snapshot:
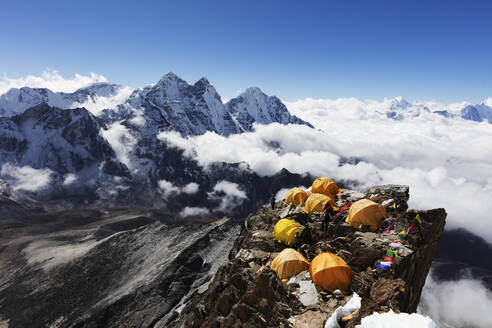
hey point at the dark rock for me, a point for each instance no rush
(399, 193)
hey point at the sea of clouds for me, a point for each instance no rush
(446, 162)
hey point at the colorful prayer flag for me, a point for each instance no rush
(391, 253)
(388, 259)
(395, 244)
(402, 234)
(417, 218)
(383, 267)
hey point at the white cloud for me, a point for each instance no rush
(446, 162)
(69, 179)
(229, 194)
(190, 188)
(169, 189)
(138, 119)
(97, 104)
(26, 178)
(122, 142)
(230, 188)
(52, 80)
(193, 211)
(463, 303)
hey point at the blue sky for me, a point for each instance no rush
(420, 50)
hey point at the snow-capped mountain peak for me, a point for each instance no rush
(399, 103)
(254, 106)
(203, 82)
(193, 109)
(15, 101)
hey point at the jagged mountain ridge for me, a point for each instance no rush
(173, 104)
(116, 155)
(83, 170)
(15, 101)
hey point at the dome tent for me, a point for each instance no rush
(366, 212)
(289, 262)
(285, 230)
(295, 196)
(326, 187)
(318, 202)
(330, 272)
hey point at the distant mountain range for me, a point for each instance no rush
(114, 155)
(170, 104)
(100, 143)
(15, 101)
(400, 109)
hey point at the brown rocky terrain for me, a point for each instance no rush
(247, 293)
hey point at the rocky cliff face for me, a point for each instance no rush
(49, 137)
(111, 268)
(247, 293)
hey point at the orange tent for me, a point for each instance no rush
(326, 187)
(330, 272)
(366, 212)
(295, 196)
(318, 202)
(288, 263)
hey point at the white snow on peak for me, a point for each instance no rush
(94, 98)
(399, 103)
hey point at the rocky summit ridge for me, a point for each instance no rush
(247, 293)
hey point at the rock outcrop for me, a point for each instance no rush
(247, 293)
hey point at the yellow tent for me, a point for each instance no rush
(288, 263)
(295, 196)
(366, 212)
(326, 187)
(285, 231)
(318, 202)
(330, 272)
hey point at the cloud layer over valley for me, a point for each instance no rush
(446, 161)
